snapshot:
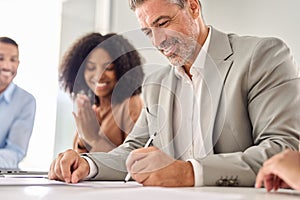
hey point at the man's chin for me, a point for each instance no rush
(6, 79)
(176, 62)
(4, 83)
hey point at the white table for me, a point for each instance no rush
(107, 191)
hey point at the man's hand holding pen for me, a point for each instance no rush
(152, 167)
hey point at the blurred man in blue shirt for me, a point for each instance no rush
(17, 108)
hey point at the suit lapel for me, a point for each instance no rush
(165, 112)
(217, 66)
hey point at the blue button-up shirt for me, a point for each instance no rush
(17, 113)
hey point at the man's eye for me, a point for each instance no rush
(164, 23)
(147, 32)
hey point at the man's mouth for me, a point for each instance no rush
(169, 51)
(7, 73)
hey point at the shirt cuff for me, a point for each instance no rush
(93, 168)
(198, 172)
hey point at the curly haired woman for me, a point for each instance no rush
(108, 68)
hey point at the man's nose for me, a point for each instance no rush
(6, 64)
(158, 36)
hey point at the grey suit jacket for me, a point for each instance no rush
(250, 110)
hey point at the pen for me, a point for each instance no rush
(148, 143)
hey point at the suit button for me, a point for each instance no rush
(233, 181)
(225, 182)
(222, 182)
(219, 182)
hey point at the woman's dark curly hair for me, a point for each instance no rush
(124, 57)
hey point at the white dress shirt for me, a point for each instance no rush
(188, 141)
(188, 138)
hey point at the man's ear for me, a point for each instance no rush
(194, 8)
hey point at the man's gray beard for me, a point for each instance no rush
(181, 60)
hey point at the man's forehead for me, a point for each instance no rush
(148, 13)
(9, 48)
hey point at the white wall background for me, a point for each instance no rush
(276, 18)
(35, 25)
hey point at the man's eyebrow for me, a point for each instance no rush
(144, 29)
(155, 22)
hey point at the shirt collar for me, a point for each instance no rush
(200, 59)
(8, 92)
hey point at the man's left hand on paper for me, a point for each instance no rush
(69, 167)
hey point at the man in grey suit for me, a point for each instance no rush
(248, 92)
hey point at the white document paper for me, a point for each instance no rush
(108, 184)
(28, 181)
(33, 181)
(24, 176)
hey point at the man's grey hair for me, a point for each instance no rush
(133, 4)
